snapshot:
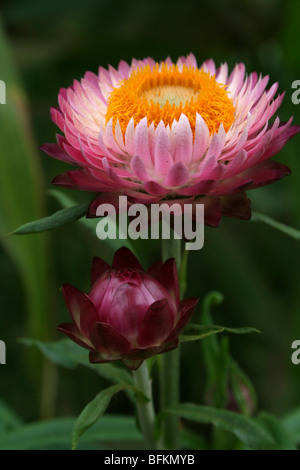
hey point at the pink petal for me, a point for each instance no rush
(184, 141)
(209, 66)
(107, 340)
(236, 165)
(124, 258)
(168, 277)
(154, 188)
(155, 268)
(88, 315)
(156, 324)
(266, 173)
(96, 357)
(202, 187)
(191, 61)
(109, 138)
(212, 210)
(141, 142)
(236, 205)
(73, 298)
(104, 150)
(63, 181)
(222, 73)
(124, 68)
(187, 308)
(217, 143)
(74, 334)
(98, 268)
(201, 138)
(105, 198)
(163, 158)
(178, 175)
(53, 150)
(129, 137)
(57, 118)
(138, 167)
(207, 166)
(236, 79)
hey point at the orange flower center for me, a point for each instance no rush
(165, 92)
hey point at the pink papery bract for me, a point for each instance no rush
(151, 163)
(129, 314)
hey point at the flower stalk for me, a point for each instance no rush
(145, 411)
(170, 365)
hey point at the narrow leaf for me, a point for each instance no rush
(194, 332)
(55, 434)
(90, 224)
(190, 336)
(93, 411)
(58, 219)
(277, 430)
(290, 231)
(247, 430)
(244, 330)
(68, 354)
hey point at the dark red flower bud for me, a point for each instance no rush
(129, 314)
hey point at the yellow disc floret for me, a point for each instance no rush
(164, 92)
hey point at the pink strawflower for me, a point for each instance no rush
(129, 314)
(171, 132)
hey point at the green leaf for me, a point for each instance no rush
(90, 224)
(247, 430)
(64, 352)
(55, 434)
(277, 430)
(291, 422)
(8, 418)
(68, 354)
(195, 332)
(64, 199)
(192, 441)
(244, 330)
(290, 231)
(58, 219)
(93, 411)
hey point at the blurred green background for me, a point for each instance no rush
(44, 46)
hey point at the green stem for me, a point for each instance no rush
(170, 366)
(145, 411)
(172, 249)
